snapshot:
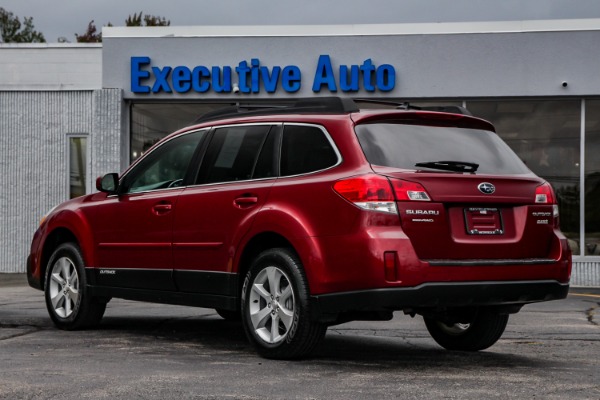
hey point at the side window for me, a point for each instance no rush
(305, 149)
(165, 166)
(232, 153)
(266, 166)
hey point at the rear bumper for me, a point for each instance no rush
(436, 295)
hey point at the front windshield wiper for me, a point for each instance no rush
(456, 166)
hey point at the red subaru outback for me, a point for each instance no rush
(298, 218)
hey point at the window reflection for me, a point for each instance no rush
(165, 167)
(592, 178)
(545, 134)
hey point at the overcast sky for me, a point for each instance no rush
(66, 17)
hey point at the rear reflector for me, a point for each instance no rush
(389, 263)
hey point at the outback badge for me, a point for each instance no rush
(486, 188)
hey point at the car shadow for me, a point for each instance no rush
(348, 351)
(396, 353)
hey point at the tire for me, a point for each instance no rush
(276, 307)
(66, 293)
(228, 315)
(482, 332)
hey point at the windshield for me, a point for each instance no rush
(404, 146)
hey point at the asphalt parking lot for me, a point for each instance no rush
(149, 351)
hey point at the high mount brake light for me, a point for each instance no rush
(378, 193)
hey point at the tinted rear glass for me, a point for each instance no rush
(305, 149)
(402, 146)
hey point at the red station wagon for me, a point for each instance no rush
(296, 218)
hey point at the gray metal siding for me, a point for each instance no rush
(107, 131)
(33, 157)
(50, 66)
(586, 273)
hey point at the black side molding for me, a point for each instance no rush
(166, 297)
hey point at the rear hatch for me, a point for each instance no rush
(476, 200)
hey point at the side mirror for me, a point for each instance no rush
(108, 183)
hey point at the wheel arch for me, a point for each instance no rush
(305, 248)
(256, 245)
(66, 227)
(57, 237)
(282, 226)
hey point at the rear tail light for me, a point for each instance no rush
(409, 191)
(369, 192)
(378, 193)
(544, 194)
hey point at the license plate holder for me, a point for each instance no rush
(483, 221)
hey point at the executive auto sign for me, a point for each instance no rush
(253, 77)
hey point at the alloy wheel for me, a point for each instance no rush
(272, 305)
(64, 287)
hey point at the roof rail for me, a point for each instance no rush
(446, 109)
(322, 105)
(407, 106)
(333, 105)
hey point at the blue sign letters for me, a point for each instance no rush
(253, 77)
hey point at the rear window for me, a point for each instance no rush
(402, 146)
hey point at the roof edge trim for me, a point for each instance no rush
(442, 28)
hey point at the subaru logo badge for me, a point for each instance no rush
(486, 188)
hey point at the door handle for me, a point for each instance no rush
(246, 201)
(162, 208)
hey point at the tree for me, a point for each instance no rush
(90, 35)
(149, 20)
(141, 19)
(12, 31)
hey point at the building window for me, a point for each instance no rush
(152, 122)
(592, 178)
(546, 135)
(77, 166)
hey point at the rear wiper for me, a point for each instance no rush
(456, 166)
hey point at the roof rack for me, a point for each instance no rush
(407, 106)
(333, 105)
(322, 105)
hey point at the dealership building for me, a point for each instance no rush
(72, 112)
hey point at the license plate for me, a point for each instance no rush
(483, 221)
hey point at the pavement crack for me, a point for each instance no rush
(27, 329)
(591, 313)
